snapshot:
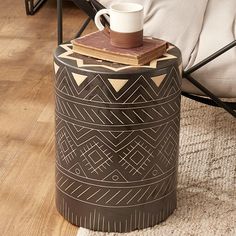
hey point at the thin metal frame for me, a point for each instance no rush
(94, 7)
(214, 100)
(60, 23)
(31, 7)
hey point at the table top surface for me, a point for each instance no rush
(65, 55)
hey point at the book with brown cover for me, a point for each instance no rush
(97, 45)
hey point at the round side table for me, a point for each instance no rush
(117, 140)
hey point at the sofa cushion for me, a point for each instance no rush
(198, 28)
(218, 29)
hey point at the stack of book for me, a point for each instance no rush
(97, 45)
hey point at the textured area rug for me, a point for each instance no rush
(207, 177)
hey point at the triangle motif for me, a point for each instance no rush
(158, 79)
(115, 176)
(167, 56)
(170, 47)
(77, 170)
(140, 99)
(79, 79)
(173, 90)
(118, 84)
(116, 134)
(155, 129)
(97, 98)
(56, 67)
(155, 171)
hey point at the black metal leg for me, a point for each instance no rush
(211, 57)
(59, 22)
(31, 8)
(83, 27)
(207, 101)
(90, 7)
(27, 7)
(229, 107)
(219, 102)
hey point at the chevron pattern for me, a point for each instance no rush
(116, 140)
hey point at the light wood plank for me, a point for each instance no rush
(27, 153)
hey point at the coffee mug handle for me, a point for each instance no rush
(97, 20)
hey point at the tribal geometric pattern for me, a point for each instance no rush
(117, 137)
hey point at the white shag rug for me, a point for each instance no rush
(207, 177)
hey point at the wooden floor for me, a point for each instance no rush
(27, 118)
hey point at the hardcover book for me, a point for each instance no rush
(97, 45)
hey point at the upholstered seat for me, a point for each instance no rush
(198, 28)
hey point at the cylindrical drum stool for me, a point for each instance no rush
(117, 140)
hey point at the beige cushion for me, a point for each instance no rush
(219, 29)
(198, 28)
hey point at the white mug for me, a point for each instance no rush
(126, 24)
